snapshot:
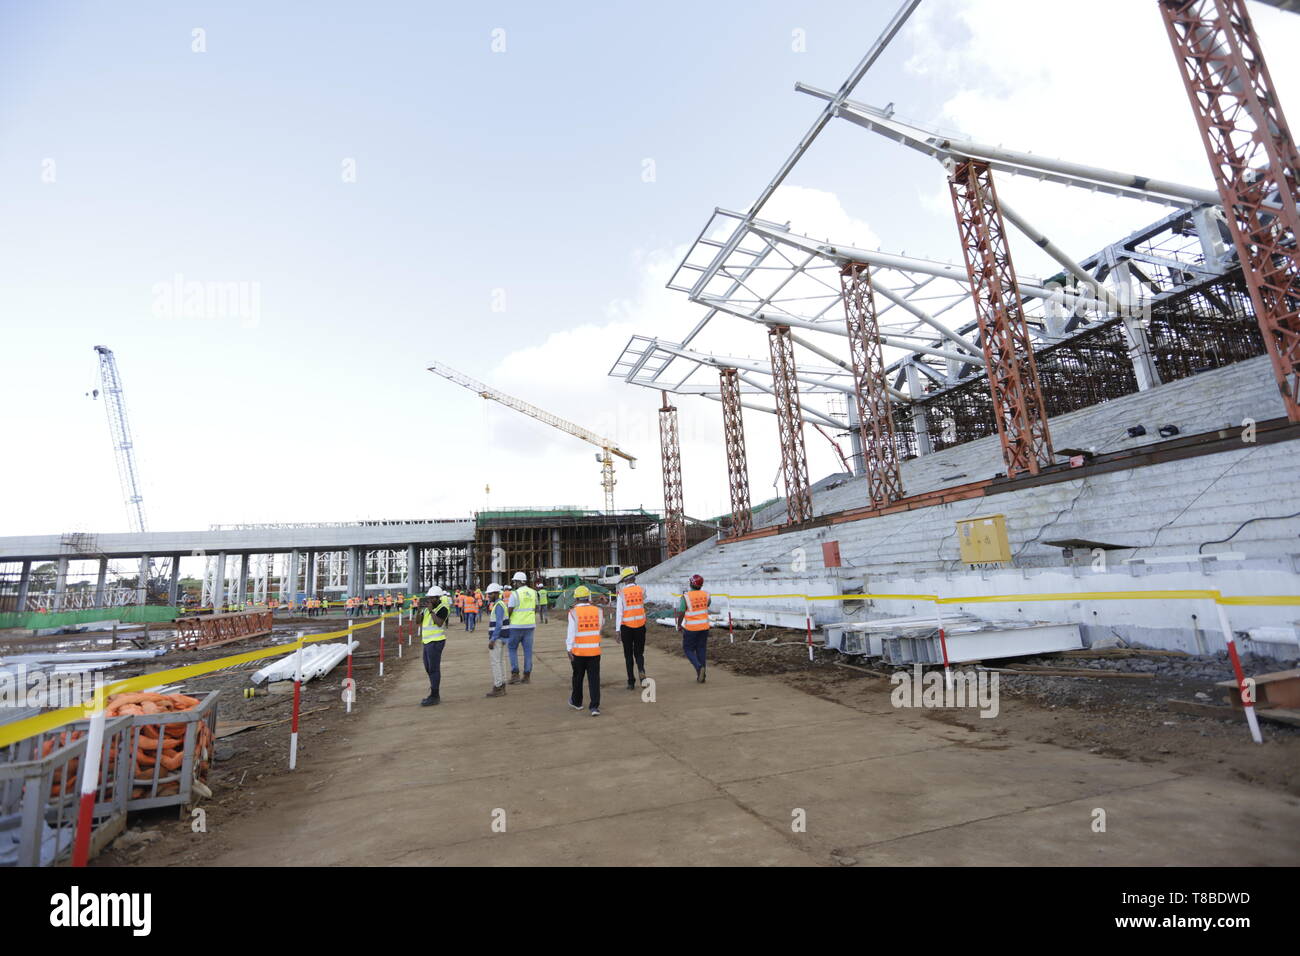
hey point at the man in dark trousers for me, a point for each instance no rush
(693, 624)
(433, 635)
(583, 645)
(629, 625)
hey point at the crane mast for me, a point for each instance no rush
(608, 448)
(120, 429)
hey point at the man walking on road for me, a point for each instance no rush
(693, 622)
(433, 635)
(523, 619)
(543, 601)
(583, 644)
(629, 625)
(497, 615)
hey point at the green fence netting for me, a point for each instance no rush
(126, 615)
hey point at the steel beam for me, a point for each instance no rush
(1255, 165)
(1018, 408)
(794, 458)
(875, 411)
(670, 451)
(733, 428)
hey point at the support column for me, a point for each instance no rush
(920, 425)
(412, 569)
(309, 582)
(875, 410)
(60, 584)
(174, 585)
(356, 573)
(498, 559)
(1255, 164)
(241, 587)
(733, 430)
(289, 593)
(219, 584)
(555, 547)
(613, 545)
(1136, 332)
(670, 452)
(789, 418)
(142, 582)
(1018, 408)
(24, 585)
(101, 582)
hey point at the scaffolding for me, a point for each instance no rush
(532, 541)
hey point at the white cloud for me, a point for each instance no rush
(1102, 89)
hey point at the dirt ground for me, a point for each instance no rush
(1126, 718)
(161, 837)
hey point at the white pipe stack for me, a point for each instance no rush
(317, 660)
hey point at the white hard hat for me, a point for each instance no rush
(493, 588)
(520, 576)
(436, 591)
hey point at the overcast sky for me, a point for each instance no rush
(389, 183)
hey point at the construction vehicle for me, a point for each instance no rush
(608, 575)
(607, 447)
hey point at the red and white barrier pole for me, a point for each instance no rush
(382, 622)
(351, 683)
(730, 630)
(297, 706)
(943, 646)
(1247, 697)
(89, 781)
(807, 616)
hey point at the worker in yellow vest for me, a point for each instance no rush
(693, 623)
(523, 619)
(433, 635)
(543, 601)
(583, 644)
(629, 624)
(325, 606)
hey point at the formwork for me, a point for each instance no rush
(1198, 329)
(531, 540)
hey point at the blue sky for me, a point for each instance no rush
(478, 173)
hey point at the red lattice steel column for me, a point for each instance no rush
(1255, 165)
(1008, 350)
(671, 452)
(875, 410)
(733, 428)
(789, 418)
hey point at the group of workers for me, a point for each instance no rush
(513, 616)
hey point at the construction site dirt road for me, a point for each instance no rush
(744, 770)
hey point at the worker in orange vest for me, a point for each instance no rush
(629, 625)
(693, 623)
(471, 611)
(583, 644)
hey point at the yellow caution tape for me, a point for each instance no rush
(31, 726)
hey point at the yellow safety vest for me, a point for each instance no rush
(525, 615)
(430, 631)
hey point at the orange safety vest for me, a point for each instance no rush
(696, 617)
(586, 642)
(634, 606)
(471, 604)
(370, 602)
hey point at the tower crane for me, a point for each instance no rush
(608, 448)
(110, 385)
